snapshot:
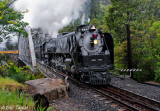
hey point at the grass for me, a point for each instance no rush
(11, 99)
(14, 100)
(10, 84)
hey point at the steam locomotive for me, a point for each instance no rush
(86, 53)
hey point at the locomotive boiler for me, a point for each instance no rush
(86, 53)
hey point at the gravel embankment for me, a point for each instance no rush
(82, 99)
(128, 84)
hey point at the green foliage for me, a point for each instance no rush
(40, 108)
(155, 29)
(71, 27)
(98, 10)
(5, 57)
(121, 13)
(143, 18)
(10, 20)
(155, 48)
(30, 77)
(145, 50)
(38, 74)
(94, 22)
(51, 108)
(95, 8)
(3, 71)
(120, 55)
(157, 76)
(23, 74)
(157, 73)
(154, 7)
(16, 73)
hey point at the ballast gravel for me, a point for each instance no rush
(149, 91)
(83, 99)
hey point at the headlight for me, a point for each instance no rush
(95, 42)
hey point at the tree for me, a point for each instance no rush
(94, 22)
(95, 8)
(98, 10)
(10, 20)
(71, 27)
(121, 16)
(155, 8)
(4, 7)
(10, 45)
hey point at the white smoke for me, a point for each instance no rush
(51, 14)
(83, 19)
(86, 14)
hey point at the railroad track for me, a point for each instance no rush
(131, 100)
(128, 100)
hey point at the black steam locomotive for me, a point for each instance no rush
(87, 53)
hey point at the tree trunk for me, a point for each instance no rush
(95, 15)
(129, 52)
(129, 48)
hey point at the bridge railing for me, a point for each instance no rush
(9, 52)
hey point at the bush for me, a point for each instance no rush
(5, 57)
(2, 71)
(21, 74)
(30, 77)
(157, 73)
(16, 73)
(38, 74)
(157, 77)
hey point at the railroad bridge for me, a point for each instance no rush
(26, 53)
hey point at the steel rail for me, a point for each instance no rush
(135, 99)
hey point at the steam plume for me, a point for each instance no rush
(52, 14)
